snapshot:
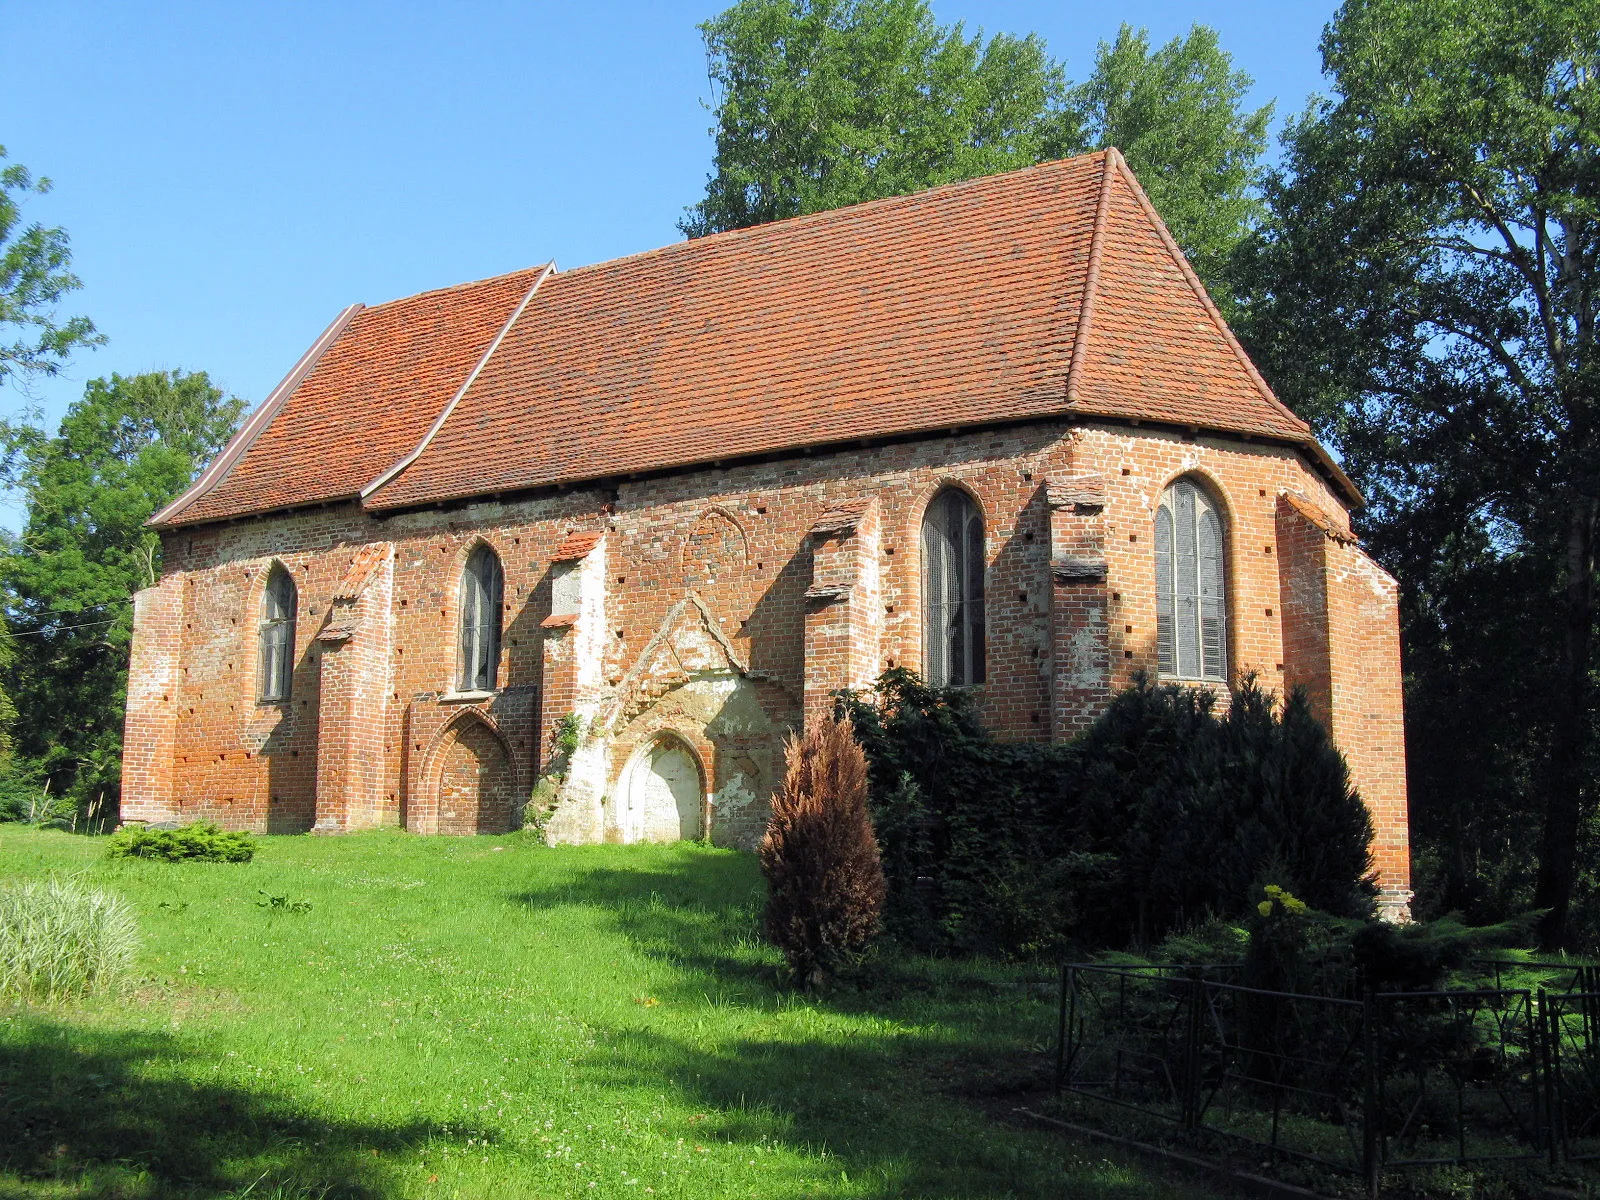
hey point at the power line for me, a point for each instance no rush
(70, 612)
(64, 628)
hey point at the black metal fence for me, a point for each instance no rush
(1390, 1080)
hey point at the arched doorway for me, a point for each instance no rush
(664, 794)
(475, 784)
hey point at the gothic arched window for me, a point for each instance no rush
(1191, 586)
(952, 590)
(277, 635)
(482, 584)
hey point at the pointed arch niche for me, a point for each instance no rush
(663, 792)
(716, 566)
(468, 780)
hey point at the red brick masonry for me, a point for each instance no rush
(809, 580)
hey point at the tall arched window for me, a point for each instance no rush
(482, 584)
(952, 590)
(277, 635)
(1191, 587)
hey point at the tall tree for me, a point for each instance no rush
(122, 452)
(35, 273)
(822, 103)
(1177, 114)
(1428, 292)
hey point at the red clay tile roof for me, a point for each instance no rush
(576, 545)
(364, 565)
(1319, 519)
(1150, 343)
(1050, 291)
(367, 401)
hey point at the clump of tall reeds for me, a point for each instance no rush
(60, 940)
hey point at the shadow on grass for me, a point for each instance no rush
(872, 1106)
(896, 1075)
(703, 915)
(98, 1112)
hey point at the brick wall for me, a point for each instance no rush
(704, 629)
(150, 725)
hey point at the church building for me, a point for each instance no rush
(605, 536)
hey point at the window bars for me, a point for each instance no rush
(1191, 589)
(277, 636)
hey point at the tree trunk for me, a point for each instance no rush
(1558, 853)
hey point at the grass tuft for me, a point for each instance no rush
(59, 940)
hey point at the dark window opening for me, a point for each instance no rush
(277, 636)
(482, 589)
(952, 591)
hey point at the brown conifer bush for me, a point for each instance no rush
(824, 880)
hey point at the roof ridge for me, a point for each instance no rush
(450, 405)
(827, 214)
(259, 420)
(1091, 279)
(1176, 253)
(456, 287)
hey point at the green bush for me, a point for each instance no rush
(200, 842)
(1204, 809)
(1162, 815)
(59, 940)
(983, 848)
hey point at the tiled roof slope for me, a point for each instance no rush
(1053, 290)
(368, 400)
(1153, 346)
(949, 307)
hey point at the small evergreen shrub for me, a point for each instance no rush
(1164, 814)
(820, 858)
(200, 842)
(1203, 809)
(59, 940)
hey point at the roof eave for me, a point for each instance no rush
(1321, 460)
(256, 423)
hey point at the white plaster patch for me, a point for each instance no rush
(738, 793)
(579, 816)
(1083, 667)
(697, 651)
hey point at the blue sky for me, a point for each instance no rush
(232, 174)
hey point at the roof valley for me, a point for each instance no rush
(399, 467)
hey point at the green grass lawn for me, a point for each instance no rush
(484, 1017)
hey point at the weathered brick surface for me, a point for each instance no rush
(356, 649)
(154, 673)
(697, 624)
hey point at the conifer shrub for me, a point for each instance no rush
(199, 842)
(1203, 809)
(1164, 814)
(824, 879)
(983, 847)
